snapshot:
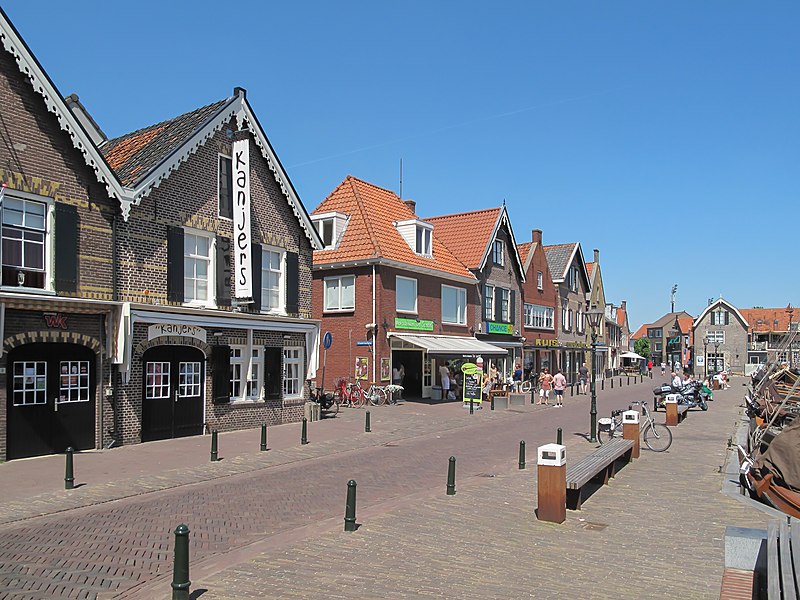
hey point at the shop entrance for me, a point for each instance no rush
(412, 363)
(172, 398)
(50, 399)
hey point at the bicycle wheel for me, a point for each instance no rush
(657, 436)
(526, 386)
(376, 396)
(608, 429)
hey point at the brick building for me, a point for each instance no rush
(539, 308)
(720, 337)
(390, 292)
(57, 307)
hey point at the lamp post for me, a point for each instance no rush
(594, 315)
(705, 353)
(789, 311)
(716, 356)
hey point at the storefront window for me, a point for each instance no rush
(293, 368)
(74, 381)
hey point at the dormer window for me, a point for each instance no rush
(417, 234)
(330, 226)
(423, 241)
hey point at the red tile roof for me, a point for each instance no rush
(768, 316)
(467, 234)
(589, 267)
(621, 316)
(641, 332)
(523, 250)
(371, 233)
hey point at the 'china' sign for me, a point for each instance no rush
(242, 246)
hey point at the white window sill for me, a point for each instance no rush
(454, 324)
(407, 312)
(339, 310)
(21, 289)
(273, 311)
(196, 304)
(246, 401)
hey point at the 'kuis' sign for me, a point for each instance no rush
(242, 244)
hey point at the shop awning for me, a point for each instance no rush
(450, 344)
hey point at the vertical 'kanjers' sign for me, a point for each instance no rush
(241, 220)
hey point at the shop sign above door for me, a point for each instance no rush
(166, 329)
(504, 328)
(415, 324)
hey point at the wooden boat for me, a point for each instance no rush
(782, 498)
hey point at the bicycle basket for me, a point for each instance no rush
(604, 424)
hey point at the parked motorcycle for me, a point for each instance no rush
(690, 394)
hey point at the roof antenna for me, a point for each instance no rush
(672, 296)
(401, 179)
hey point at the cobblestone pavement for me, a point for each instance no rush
(285, 507)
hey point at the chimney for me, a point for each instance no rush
(536, 236)
(596, 256)
(411, 205)
(623, 305)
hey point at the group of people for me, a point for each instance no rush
(547, 382)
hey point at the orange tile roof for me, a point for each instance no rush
(589, 267)
(641, 332)
(523, 250)
(768, 316)
(371, 234)
(467, 234)
(620, 316)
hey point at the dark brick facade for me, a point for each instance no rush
(538, 352)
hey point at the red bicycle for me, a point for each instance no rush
(350, 393)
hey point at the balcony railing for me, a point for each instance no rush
(756, 346)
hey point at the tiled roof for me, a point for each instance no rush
(467, 234)
(621, 316)
(763, 319)
(371, 234)
(685, 323)
(134, 155)
(523, 250)
(641, 332)
(558, 256)
(589, 268)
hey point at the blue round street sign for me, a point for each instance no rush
(327, 340)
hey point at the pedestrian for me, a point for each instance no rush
(583, 375)
(545, 384)
(649, 367)
(559, 385)
(663, 368)
(493, 375)
(518, 378)
(444, 373)
(677, 383)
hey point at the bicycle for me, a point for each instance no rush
(528, 385)
(375, 395)
(349, 393)
(656, 436)
(391, 389)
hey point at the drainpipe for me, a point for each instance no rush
(111, 375)
(375, 330)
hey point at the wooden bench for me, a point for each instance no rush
(600, 464)
(783, 559)
(677, 417)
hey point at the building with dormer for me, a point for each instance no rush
(390, 292)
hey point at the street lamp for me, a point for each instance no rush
(716, 356)
(705, 353)
(594, 316)
(789, 311)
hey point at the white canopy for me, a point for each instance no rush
(632, 355)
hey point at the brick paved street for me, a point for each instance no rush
(269, 522)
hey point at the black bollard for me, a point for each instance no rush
(602, 384)
(612, 383)
(263, 437)
(491, 402)
(69, 475)
(366, 423)
(471, 407)
(620, 382)
(350, 508)
(304, 432)
(559, 436)
(641, 378)
(180, 569)
(214, 453)
(521, 454)
(451, 476)
(572, 389)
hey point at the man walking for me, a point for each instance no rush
(583, 374)
(559, 385)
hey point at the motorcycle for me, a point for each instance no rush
(690, 394)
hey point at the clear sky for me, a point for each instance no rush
(666, 134)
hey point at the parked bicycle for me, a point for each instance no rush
(529, 384)
(375, 395)
(328, 401)
(656, 436)
(350, 393)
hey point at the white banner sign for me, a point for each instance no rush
(165, 329)
(242, 246)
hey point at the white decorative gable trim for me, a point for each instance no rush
(513, 249)
(41, 83)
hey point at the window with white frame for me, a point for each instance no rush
(454, 305)
(657, 347)
(30, 383)
(197, 253)
(720, 317)
(74, 381)
(423, 245)
(325, 230)
(293, 372)
(157, 384)
(540, 317)
(340, 293)
(569, 319)
(245, 373)
(716, 337)
(539, 281)
(579, 320)
(272, 279)
(405, 294)
(564, 323)
(573, 279)
(188, 379)
(497, 253)
(24, 246)
(488, 302)
(505, 303)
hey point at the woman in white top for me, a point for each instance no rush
(444, 372)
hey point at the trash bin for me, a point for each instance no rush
(436, 392)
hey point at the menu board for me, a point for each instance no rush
(473, 383)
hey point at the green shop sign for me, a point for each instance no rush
(504, 328)
(414, 324)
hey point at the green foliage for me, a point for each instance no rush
(642, 347)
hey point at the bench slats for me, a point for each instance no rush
(579, 473)
(773, 574)
(787, 573)
(794, 525)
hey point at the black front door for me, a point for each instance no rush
(51, 399)
(172, 400)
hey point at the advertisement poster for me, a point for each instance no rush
(385, 371)
(473, 383)
(362, 367)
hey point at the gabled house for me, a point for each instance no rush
(606, 359)
(720, 337)
(539, 307)
(484, 241)
(669, 343)
(58, 310)
(772, 337)
(215, 255)
(390, 292)
(626, 339)
(572, 281)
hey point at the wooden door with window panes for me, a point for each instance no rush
(51, 399)
(172, 402)
(428, 369)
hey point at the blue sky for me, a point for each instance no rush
(666, 134)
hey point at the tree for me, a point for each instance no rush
(642, 347)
